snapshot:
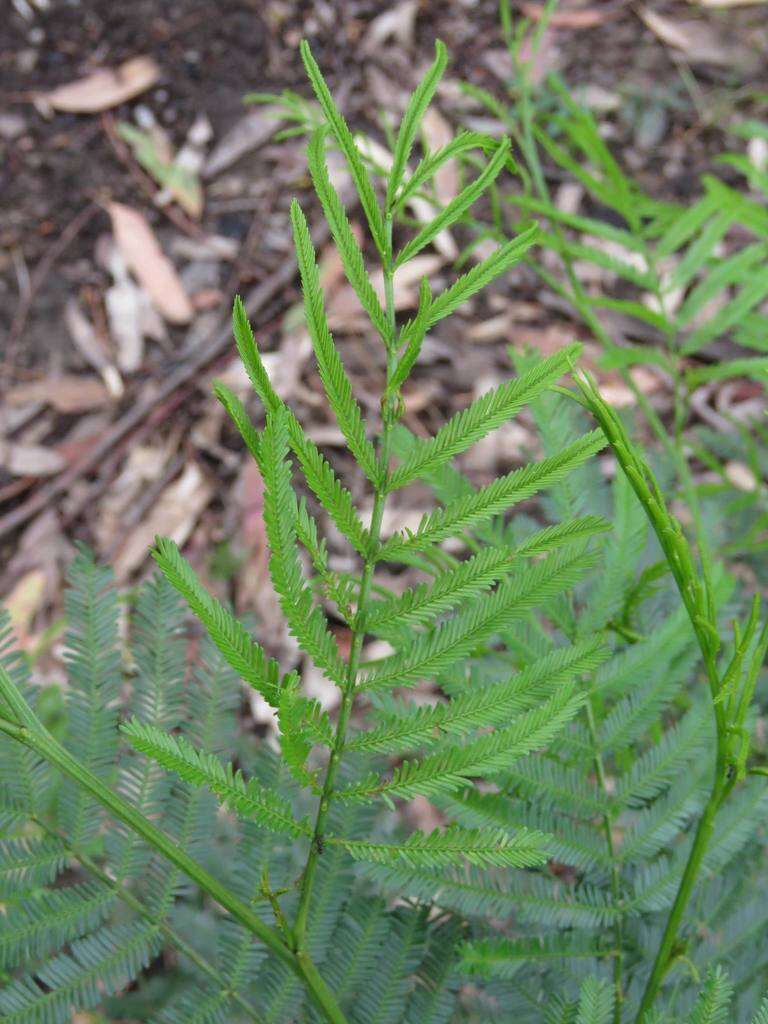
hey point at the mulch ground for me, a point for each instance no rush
(110, 449)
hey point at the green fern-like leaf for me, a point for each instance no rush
(457, 637)
(320, 477)
(105, 960)
(230, 636)
(496, 497)
(502, 957)
(50, 919)
(417, 105)
(332, 373)
(595, 1003)
(349, 149)
(406, 727)
(203, 769)
(457, 207)
(449, 768)
(712, 1005)
(92, 656)
(455, 845)
(484, 415)
(349, 250)
(306, 621)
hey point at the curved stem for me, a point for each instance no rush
(693, 865)
(37, 738)
(170, 934)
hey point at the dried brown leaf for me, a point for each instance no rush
(583, 17)
(698, 41)
(91, 347)
(68, 393)
(24, 601)
(247, 134)
(145, 259)
(104, 88)
(30, 459)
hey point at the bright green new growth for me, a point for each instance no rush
(333, 765)
(540, 689)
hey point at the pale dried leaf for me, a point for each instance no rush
(425, 212)
(104, 88)
(583, 17)
(438, 133)
(757, 151)
(143, 466)
(741, 476)
(407, 278)
(91, 347)
(250, 132)
(24, 601)
(30, 459)
(726, 3)
(68, 393)
(483, 331)
(396, 23)
(146, 260)
(173, 515)
(698, 41)
(132, 317)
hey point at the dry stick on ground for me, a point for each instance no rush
(40, 273)
(135, 415)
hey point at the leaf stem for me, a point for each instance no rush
(34, 736)
(693, 865)
(358, 622)
(140, 908)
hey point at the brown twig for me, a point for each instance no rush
(40, 273)
(220, 340)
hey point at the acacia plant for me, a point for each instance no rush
(334, 769)
(564, 742)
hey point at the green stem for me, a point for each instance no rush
(722, 785)
(693, 865)
(140, 908)
(357, 629)
(33, 735)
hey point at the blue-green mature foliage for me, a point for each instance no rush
(555, 682)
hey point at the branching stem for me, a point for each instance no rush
(358, 624)
(142, 910)
(34, 736)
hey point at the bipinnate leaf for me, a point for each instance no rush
(306, 620)
(347, 244)
(417, 105)
(457, 206)
(332, 373)
(246, 798)
(231, 637)
(455, 845)
(349, 149)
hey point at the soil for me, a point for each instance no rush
(668, 124)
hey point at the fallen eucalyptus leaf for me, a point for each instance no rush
(145, 259)
(104, 88)
(30, 459)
